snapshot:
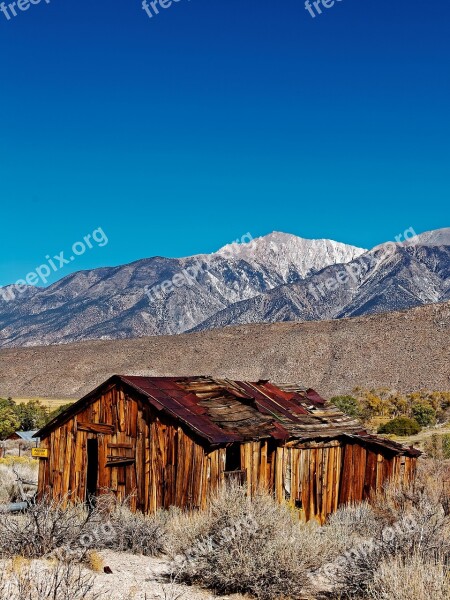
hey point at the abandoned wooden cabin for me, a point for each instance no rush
(166, 441)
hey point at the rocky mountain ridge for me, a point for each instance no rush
(279, 277)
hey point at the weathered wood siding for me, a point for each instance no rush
(318, 477)
(149, 459)
(159, 465)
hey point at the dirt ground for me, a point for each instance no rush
(141, 577)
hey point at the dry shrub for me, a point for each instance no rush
(95, 561)
(249, 546)
(135, 532)
(224, 550)
(409, 521)
(18, 447)
(46, 527)
(11, 469)
(259, 547)
(411, 578)
(353, 522)
(71, 530)
(25, 580)
(183, 528)
(431, 486)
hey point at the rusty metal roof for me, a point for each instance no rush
(222, 411)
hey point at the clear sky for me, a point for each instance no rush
(180, 133)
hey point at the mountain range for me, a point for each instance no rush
(279, 277)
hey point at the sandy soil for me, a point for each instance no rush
(141, 578)
(133, 578)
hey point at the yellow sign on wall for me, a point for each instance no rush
(39, 452)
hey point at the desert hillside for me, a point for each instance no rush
(407, 350)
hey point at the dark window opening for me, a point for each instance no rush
(233, 458)
(92, 471)
(233, 470)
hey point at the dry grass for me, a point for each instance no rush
(95, 561)
(411, 578)
(50, 403)
(421, 439)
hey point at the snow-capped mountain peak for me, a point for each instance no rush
(289, 254)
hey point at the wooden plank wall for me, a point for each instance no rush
(148, 459)
(310, 478)
(318, 478)
(161, 465)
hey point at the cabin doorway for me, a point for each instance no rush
(92, 471)
(233, 471)
(233, 458)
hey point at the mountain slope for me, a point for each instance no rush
(276, 278)
(406, 350)
(113, 302)
(385, 279)
(291, 257)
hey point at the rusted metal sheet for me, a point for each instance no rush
(380, 442)
(183, 406)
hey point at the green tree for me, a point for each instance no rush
(58, 411)
(32, 415)
(347, 404)
(7, 403)
(424, 413)
(9, 421)
(401, 426)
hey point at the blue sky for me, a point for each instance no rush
(180, 133)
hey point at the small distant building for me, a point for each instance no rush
(25, 436)
(164, 441)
